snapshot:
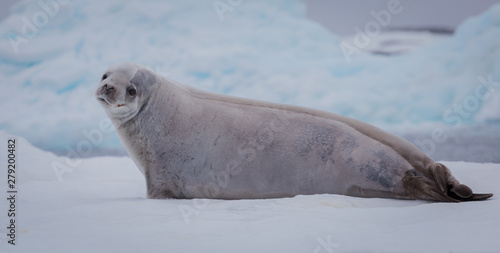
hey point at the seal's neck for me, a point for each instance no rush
(123, 118)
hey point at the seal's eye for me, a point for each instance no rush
(104, 77)
(132, 92)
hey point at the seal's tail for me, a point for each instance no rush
(438, 184)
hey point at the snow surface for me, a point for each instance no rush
(100, 206)
(267, 50)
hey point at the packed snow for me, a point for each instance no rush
(53, 53)
(100, 205)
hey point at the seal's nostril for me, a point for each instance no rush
(107, 88)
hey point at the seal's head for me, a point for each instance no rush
(124, 89)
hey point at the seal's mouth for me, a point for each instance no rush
(102, 100)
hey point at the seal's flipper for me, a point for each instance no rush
(482, 196)
(461, 190)
(438, 184)
(454, 189)
(421, 187)
(474, 197)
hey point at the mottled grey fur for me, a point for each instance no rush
(194, 144)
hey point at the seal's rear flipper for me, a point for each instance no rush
(438, 184)
(478, 196)
(454, 189)
(464, 193)
(474, 197)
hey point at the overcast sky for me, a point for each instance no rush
(341, 16)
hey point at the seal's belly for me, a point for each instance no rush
(278, 154)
